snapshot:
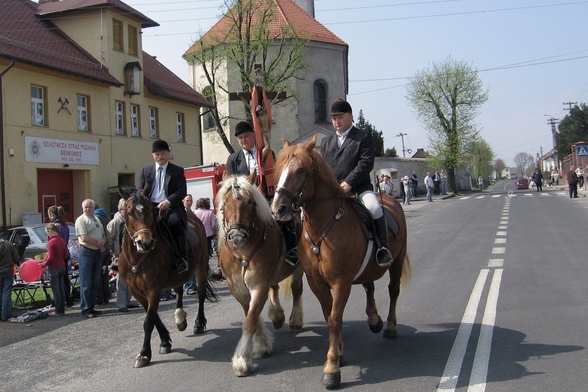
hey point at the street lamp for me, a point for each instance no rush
(404, 151)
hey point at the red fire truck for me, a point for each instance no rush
(203, 180)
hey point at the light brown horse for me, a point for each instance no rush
(334, 249)
(252, 261)
(145, 263)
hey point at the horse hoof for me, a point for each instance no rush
(199, 329)
(378, 327)
(182, 326)
(279, 323)
(141, 361)
(331, 380)
(165, 349)
(390, 334)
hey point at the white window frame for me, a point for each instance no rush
(83, 119)
(153, 123)
(135, 114)
(119, 118)
(180, 127)
(38, 106)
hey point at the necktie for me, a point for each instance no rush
(160, 178)
(250, 161)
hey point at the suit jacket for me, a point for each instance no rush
(237, 164)
(354, 161)
(174, 185)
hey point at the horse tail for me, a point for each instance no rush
(210, 292)
(286, 287)
(406, 271)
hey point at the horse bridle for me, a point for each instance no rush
(134, 235)
(295, 206)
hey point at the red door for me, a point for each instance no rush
(55, 187)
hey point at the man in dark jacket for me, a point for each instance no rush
(350, 153)
(572, 178)
(165, 185)
(8, 259)
(243, 162)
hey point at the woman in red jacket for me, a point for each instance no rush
(57, 255)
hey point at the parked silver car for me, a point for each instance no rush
(37, 243)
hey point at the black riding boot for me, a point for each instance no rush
(289, 232)
(383, 255)
(181, 262)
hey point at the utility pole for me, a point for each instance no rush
(402, 135)
(552, 121)
(569, 108)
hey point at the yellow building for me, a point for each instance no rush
(81, 104)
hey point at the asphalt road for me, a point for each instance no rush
(497, 302)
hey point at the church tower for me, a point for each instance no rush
(306, 5)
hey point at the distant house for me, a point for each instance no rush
(82, 104)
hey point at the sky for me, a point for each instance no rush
(531, 55)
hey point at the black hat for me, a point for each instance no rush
(340, 106)
(243, 126)
(160, 145)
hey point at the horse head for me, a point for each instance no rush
(139, 220)
(241, 205)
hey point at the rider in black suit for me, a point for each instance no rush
(243, 163)
(168, 198)
(350, 153)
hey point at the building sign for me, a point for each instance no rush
(61, 151)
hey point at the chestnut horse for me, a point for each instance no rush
(145, 263)
(252, 261)
(334, 250)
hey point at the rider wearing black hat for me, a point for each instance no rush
(165, 185)
(244, 162)
(350, 153)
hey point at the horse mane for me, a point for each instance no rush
(239, 185)
(312, 162)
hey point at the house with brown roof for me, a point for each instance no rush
(80, 105)
(312, 90)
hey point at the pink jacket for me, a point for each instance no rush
(208, 219)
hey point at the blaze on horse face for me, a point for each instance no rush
(139, 218)
(242, 214)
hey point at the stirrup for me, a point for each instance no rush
(383, 257)
(292, 256)
(181, 265)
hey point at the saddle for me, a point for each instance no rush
(167, 236)
(368, 222)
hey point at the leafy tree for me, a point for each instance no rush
(481, 156)
(247, 37)
(391, 152)
(376, 135)
(446, 98)
(572, 129)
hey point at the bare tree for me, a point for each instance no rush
(247, 36)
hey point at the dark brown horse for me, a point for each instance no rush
(335, 251)
(145, 263)
(252, 261)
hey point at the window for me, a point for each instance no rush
(133, 40)
(38, 106)
(135, 116)
(83, 121)
(117, 35)
(119, 118)
(320, 102)
(179, 127)
(153, 123)
(208, 121)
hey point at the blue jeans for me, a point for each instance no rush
(190, 284)
(90, 268)
(6, 297)
(58, 288)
